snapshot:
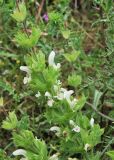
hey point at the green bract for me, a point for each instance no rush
(71, 57)
(11, 122)
(74, 80)
(28, 41)
(35, 148)
(20, 12)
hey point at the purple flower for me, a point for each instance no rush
(45, 17)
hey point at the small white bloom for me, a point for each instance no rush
(47, 94)
(56, 129)
(54, 157)
(86, 147)
(67, 94)
(50, 102)
(38, 94)
(64, 94)
(25, 69)
(92, 122)
(76, 129)
(26, 79)
(73, 102)
(19, 152)
(51, 60)
(59, 82)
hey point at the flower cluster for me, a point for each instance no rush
(68, 119)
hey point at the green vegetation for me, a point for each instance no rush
(57, 80)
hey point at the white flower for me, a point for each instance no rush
(25, 69)
(59, 82)
(73, 102)
(51, 60)
(67, 94)
(19, 152)
(86, 147)
(64, 94)
(38, 94)
(92, 122)
(47, 94)
(71, 122)
(26, 79)
(76, 129)
(54, 157)
(56, 129)
(50, 102)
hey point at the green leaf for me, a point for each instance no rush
(11, 121)
(59, 113)
(66, 33)
(28, 41)
(74, 80)
(7, 54)
(71, 57)
(80, 103)
(1, 1)
(36, 62)
(97, 97)
(95, 135)
(20, 12)
(110, 154)
(36, 149)
(1, 102)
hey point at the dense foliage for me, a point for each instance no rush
(57, 69)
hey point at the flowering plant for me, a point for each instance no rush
(75, 132)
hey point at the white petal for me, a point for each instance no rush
(47, 94)
(92, 122)
(50, 102)
(63, 90)
(51, 58)
(51, 61)
(59, 82)
(54, 157)
(38, 94)
(67, 94)
(55, 128)
(73, 102)
(26, 80)
(19, 152)
(76, 129)
(58, 66)
(86, 147)
(60, 96)
(25, 69)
